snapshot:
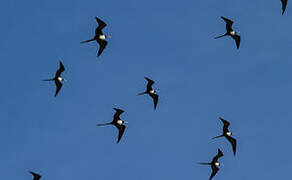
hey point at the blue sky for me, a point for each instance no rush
(198, 78)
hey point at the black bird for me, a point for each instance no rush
(214, 164)
(35, 175)
(58, 79)
(99, 37)
(230, 32)
(117, 122)
(151, 92)
(284, 4)
(227, 134)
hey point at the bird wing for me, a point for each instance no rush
(35, 175)
(150, 83)
(102, 45)
(101, 25)
(155, 99)
(233, 143)
(117, 114)
(60, 70)
(226, 124)
(121, 129)
(228, 23)
(58, 86)
(237, 40)
(214, 171)
(219, 154)
(284, 4)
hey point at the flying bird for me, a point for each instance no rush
(284, 4)
(58, 79)
(35, 175)
(214, 164)
(99, 37)
(117, 122)
(151, 92)
(227, 134)
(230, 32)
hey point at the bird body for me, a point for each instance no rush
(151, 92)
(117, 122)
(230, 32)
(99, 37)
(228, 135)
(58, 78)
(214, 164)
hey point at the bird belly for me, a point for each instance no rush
(102, 37)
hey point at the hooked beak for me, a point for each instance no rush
(125, 122)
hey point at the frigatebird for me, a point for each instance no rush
(117, 122)
(227, 134)
(58, 79)
(151, 92)
(99, 37)
(214, 164)
(35, 175)
(230, 32)
(284, 4)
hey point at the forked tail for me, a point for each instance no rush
(105, 124)
(141, 93)
(220, 36)
(218, 137)
(87, 41)
(205, 164)
(49, 79)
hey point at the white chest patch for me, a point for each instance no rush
(102, 37)
(229, 133)
(217, 164)
(60, 79)
(232, 33)
(120, 122)
(152, 91)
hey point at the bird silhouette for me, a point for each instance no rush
(214, 164)
(230, 32)
(151, 92)
(117, 122)
(58, 79)
(99, 37)
(227, 134)
(35, 175)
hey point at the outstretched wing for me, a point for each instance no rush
(35, 175)
(228, 23)
(121, 129)
(101, 25)
(102, 45)
(233, 143)
(155, 99)
(219, 154)
(117, 114)
(58, 86)
(150, 83)
(284, 4)
(237, 40)
(226, 124)
(214, 171)
(60, 70)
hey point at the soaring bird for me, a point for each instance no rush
(117, 122)
(227, 134)
(214, 164)
(99, 37)
(284, 4)
(35, 175)
(230, 32)
(151, 92)
(58, 79)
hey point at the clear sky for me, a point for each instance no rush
(199, 79)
